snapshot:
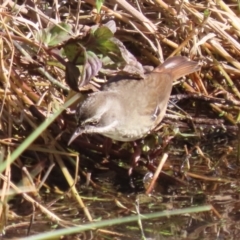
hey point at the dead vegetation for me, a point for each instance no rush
(44, 47)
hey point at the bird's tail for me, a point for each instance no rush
(178, 66)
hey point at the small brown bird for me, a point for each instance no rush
(128, 109)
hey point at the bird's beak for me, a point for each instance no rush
(77, 133)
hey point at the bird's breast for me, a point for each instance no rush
(124, 135)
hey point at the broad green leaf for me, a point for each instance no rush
(60, 33)
(102, 34)
(54, 35)
(74, 53)
(109, 46)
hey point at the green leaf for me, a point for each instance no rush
(73, 52)
(206, 14)
(109, 47)
(99, 4)
(54, 35)
(102, 34)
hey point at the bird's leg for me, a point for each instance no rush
(107, 145)
(137, 146)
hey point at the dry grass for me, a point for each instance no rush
(33, 83)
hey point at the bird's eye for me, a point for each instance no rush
(93, 123)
